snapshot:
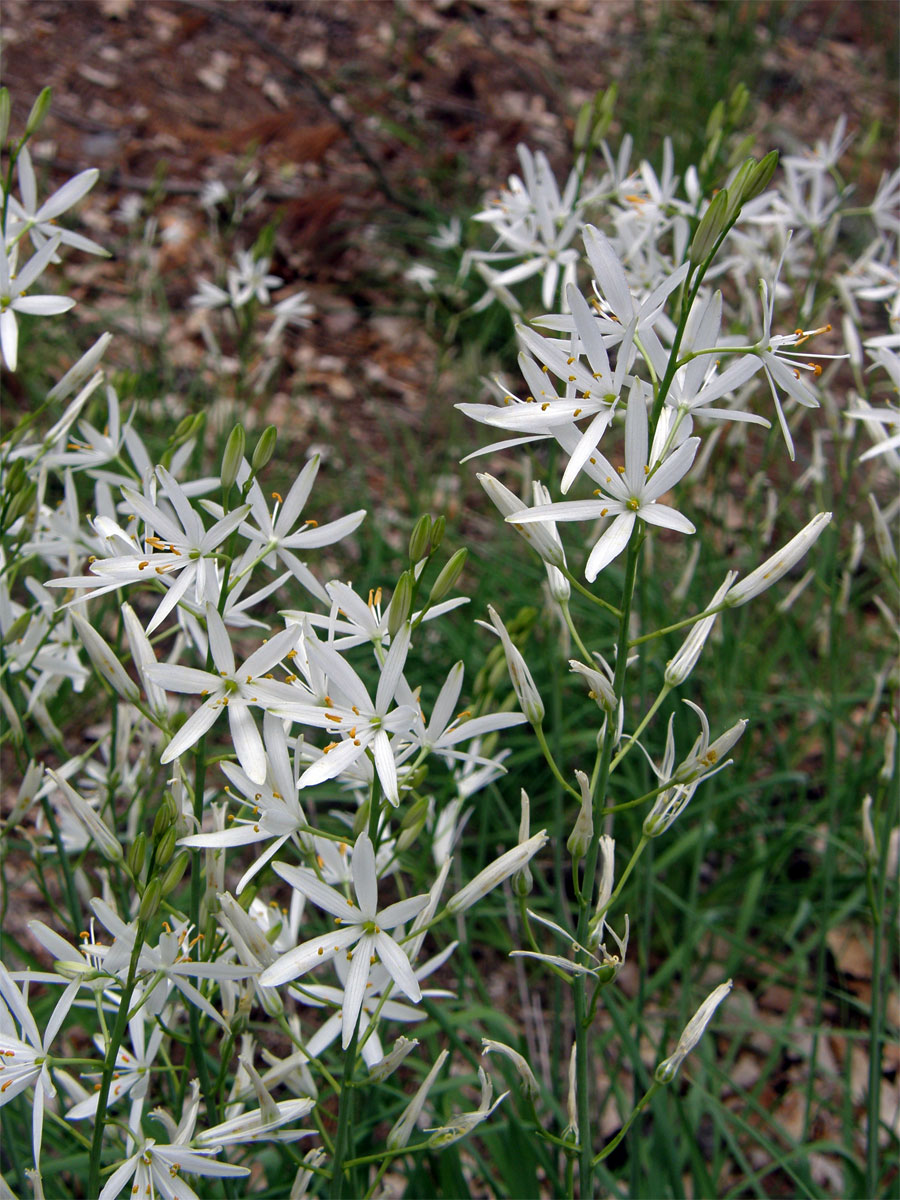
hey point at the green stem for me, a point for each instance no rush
(112, 1050)
(582, 1039)
(345, 1119)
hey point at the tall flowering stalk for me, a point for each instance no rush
(260, 838)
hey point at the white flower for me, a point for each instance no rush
(24, 1061)
(40, 222)
(249, 278)
(295, 309)
(628, 495)
(362, 724)
(13, 286)
(360, 925)
(229, 688)
(156, 1170)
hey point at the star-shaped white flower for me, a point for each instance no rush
(360, 925)
(230, 688)
(627, 495)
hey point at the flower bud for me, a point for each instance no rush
(105, 660)
(868, 833)
(5, 111)
(679, 667)
(420, 539)
(264, 449)
(233, 456)
(401, 604)
(412, 824)
(166, 846)
(176, 870)
(137, 852)
(400, 1132)
(760, 177)
(583, 831)
(712, 225)
(150, 899)
(526, 692)
(39, 110)
(437, 532)
(448, 576)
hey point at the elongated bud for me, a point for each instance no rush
(5, 111)
(401, 604)
(526, 692)
(412, 824)
(361, 820)
(21, 502)
(99, 832)
(17, 629)
(580, 837)
(163, 819)
(448, 576)
(779, 564)
(485, 881)
(233, 456)
(522, 882)
(400, 1132)
(39, 110)
(437, 532)
(760, 177)
(420, 539)
(540, 535)
(264, 449)
(736, 188)
(105, 660)
(607, 872)
(868, 833)
(679, 667)
(693, 1032)
(712, 226)
(176, 871)
(137, 852)
(150, 899)
(166, 846)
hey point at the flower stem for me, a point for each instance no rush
(112, 1050)
(345, 1119)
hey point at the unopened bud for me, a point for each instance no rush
(39, 110)
(448, 576)
(166, 846)
(712, 226)
(233, 456)
(173, 876)
(150, 899)
(401, 604)
(761, 176)
(583, 831)
(437, 532)
(137, 852)
(412, 824)
(5, 110)
(264, 449)
(420, 539)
